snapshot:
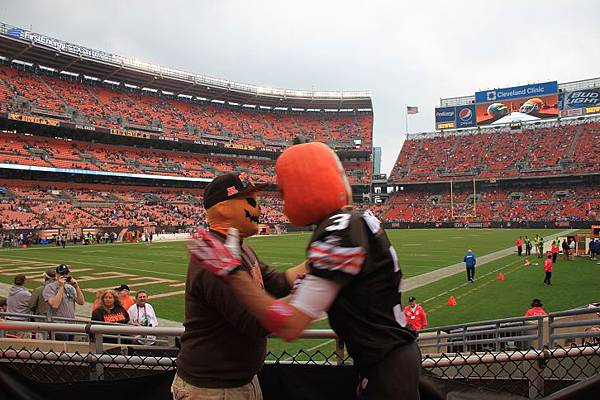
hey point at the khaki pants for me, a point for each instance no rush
(182, 390)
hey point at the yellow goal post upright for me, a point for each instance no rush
(474, 211)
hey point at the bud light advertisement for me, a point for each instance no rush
(580, 102)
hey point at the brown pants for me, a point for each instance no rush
(182, 390)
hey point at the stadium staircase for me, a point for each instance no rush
(85, 207)
(58, 96)
(571, 150)
(60, 195)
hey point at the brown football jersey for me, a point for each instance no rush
(352, 249)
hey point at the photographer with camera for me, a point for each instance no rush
(61, 296)
(142, 313)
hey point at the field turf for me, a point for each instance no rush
(160, 269)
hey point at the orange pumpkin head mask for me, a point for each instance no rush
(231, 201)
(312, 182)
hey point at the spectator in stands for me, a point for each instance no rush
(470, 260)
(224, 345)
(536, 309)
(548, 268)
(62, 295)
(37, 305)
(17, 302)
(110, 309)
(124, 297)
(595, 329)
(415, 315)
(520, 246)
(142, 313)
(554, 251)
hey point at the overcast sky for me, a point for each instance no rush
(404, 52)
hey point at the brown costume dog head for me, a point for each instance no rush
(231, 201)
(312, 182)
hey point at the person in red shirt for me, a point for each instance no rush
(554, 250)
(536, 309)
(548, 269)
(415, 315)
(520, 246)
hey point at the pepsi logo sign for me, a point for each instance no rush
(465, 114)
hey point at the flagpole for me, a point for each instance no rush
(406, 118)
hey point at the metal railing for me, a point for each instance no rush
(517, 333)
(521, 355)
(493, 335)
(50, 326)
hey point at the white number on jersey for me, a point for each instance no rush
(341, 222)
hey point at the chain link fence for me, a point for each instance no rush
(531, 357)
(532, 373)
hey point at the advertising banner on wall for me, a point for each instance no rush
(466, 116)
(517, 92)
(445, 118)
(518, 110)
(579, 102)
(455, 117)
(504, 106)
(517, 104)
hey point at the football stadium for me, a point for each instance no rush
(110, 167)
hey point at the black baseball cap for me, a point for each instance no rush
(122, 287)
(411, 298)
(63, 269)
(227, 186)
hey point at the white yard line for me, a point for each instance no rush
(325, 343)
(441, 273)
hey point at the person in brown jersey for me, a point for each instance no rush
(353, 275)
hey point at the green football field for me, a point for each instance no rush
(160, 269)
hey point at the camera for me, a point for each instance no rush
(69, 278)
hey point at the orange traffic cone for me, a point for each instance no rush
(500, 277)
(451, 301)
(526, 262)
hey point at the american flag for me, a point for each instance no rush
(412, 110)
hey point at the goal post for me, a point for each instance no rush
(473, 213)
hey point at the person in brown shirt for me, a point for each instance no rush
(224, 346)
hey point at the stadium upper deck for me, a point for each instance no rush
(171, 118)
(50, 87)
(34, 48)
(536, 150)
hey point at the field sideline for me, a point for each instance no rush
(160, 268)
